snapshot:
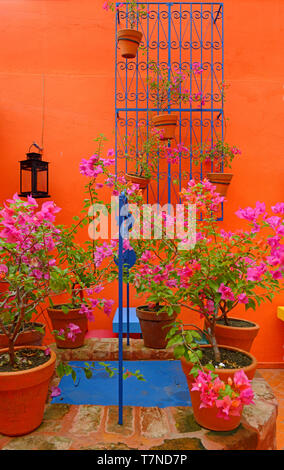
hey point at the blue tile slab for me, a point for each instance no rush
(165, 386)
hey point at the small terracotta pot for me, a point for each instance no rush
(60, 320)
(237, 337)
(207, 417)
(167, 123)
(25, 338)
(221, 181)
(143, 182)
(23, 396)
(154, 327)
(129, 40)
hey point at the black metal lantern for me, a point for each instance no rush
(34, 175)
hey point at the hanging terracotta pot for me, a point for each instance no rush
(167, 123)
(221, 181)
(129, 40)
(236, 336)
(23, 396)
(29, 336)
(207, 417)
(135, 179)
(154, 327)
(60, 320)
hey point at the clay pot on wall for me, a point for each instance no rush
(23, 396)
(167, 123)
(60, 320)
(207, 417)
(154, 327)
(129, 40)
(135, 179)
(28, 337)
(237, 336)
(221, 181)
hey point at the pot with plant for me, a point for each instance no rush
(221, 156)
(128, 39)
(28, 239)
(211, 274)
(166, 88)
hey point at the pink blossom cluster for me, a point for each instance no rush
(31, 233)
(173, 154)
(95, 165)
(203, 194)
(228, 398)
(259, 217)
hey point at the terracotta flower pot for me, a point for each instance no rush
(154, 327)
(28, 337)
(23, 396)
(60, 320)
(238, 337)
(207, 417)
(135, 179)
(221, 181)
(129, 40)
(167, 123)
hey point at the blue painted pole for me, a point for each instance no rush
(128, 309)
(120, 313)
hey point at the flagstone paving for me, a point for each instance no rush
(89, 427)
(275, 378)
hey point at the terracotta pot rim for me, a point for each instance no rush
(129, 33)
(232, 371)
(239, 328)
(137, 176)
(166, 115)
(74, 311)
(222, 178)
(31, 329)
(50, 361)
(153, 315)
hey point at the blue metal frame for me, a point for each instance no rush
(174, 34)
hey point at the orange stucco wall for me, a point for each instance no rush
(66, 47)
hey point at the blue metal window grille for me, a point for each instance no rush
(175, 34)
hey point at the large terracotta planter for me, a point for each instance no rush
(135, 179)
(221, 181)
(129, 40)
(207, 417)
(60, 320)
(238, 337)
(154, 327)
(23, 396)
(167, 123)
(28, 337)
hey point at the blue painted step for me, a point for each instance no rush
(134, 325)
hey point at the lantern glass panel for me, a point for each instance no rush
(41, 180)
(26, 175)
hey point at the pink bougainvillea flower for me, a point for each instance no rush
(47, 351)
(241, 379)
(73, 331)
(227, 293)
(85, 310)
(3, 269)
(243, 299)
(55, 392)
